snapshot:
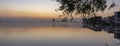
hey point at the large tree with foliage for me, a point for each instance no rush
(86, 8)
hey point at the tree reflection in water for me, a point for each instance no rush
(109, 29)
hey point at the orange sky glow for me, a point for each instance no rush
(36, 8)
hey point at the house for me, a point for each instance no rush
(117, 17)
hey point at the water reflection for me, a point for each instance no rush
(55, 35)
(109, 29)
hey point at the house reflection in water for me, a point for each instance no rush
(109, 29)
(117, 36)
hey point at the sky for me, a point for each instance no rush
(36, 8)
(28, 8)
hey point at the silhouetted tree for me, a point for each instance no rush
(86, 8)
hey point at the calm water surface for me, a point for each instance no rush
(54, 36)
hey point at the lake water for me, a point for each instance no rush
(55, 36)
